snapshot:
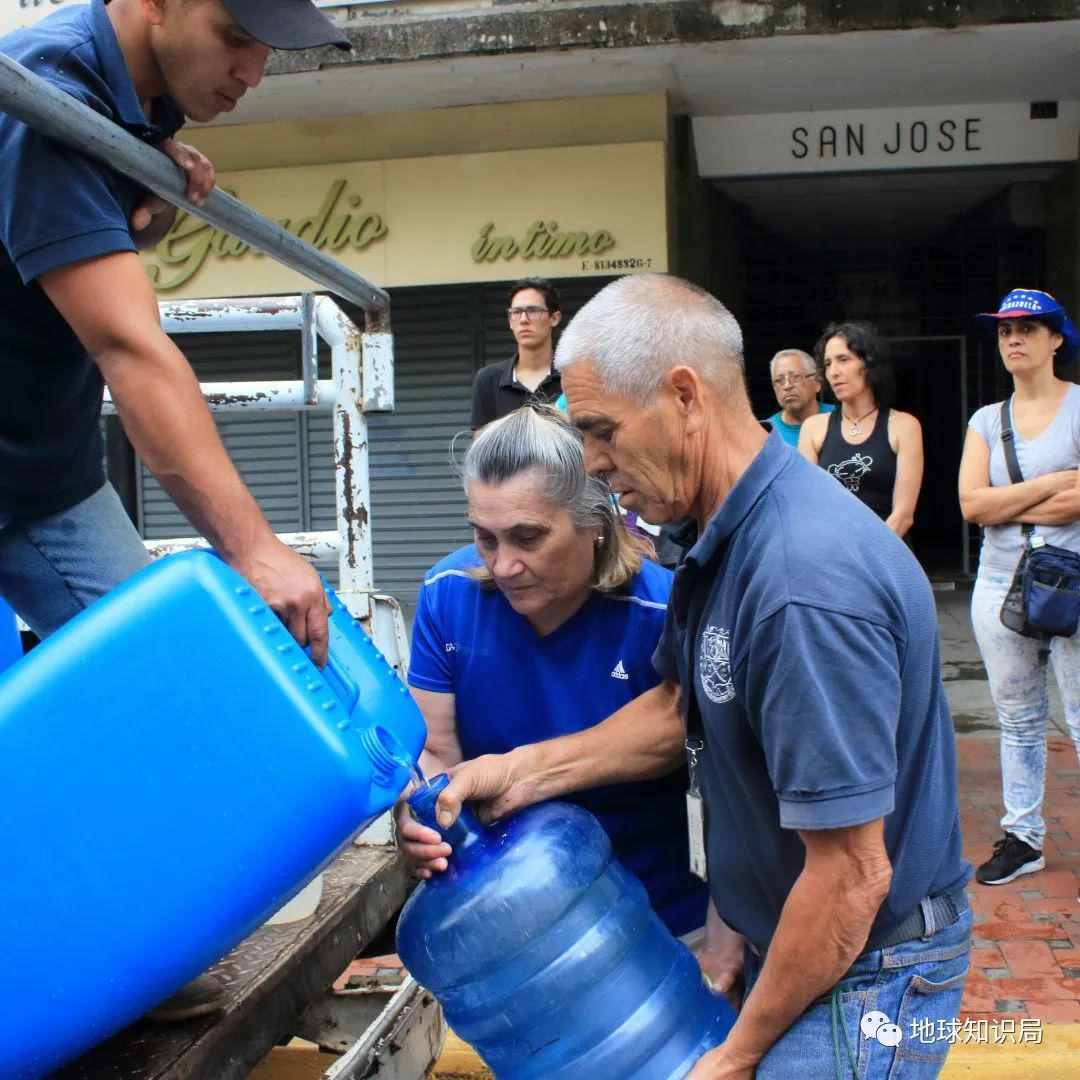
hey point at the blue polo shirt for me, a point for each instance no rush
(513, 687)
(804, 635)
(58, 208)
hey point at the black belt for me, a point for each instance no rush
(931, 915)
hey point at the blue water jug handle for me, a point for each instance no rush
(467, 836)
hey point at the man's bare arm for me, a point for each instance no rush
(644, 739)
(824, 925)
(109, 304)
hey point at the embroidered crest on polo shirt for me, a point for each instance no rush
(714, 665)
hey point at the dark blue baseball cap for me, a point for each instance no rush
(287, 24)
(1034, 304)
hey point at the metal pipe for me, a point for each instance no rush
(282, 396)
(319, 546)
(50, 111)
(255, 313)
(309, 348)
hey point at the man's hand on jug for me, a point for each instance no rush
(423, 847)
(290, 585)
(721, 958)
(497, 785)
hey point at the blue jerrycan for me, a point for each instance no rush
(173, 769)
(546, 956)
(10, 643)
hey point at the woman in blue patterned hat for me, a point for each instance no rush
(1036, 339)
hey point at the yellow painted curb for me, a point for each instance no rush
(1057, 1057)
(459, 1059)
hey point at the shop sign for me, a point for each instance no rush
(556, 212)
(340, 222)
(542, 239)
(879, 139)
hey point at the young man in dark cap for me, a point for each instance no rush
(77, 311)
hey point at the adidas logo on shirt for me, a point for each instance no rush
(619, 672)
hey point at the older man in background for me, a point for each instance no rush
(796, 382)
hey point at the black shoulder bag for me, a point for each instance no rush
(1043, 600)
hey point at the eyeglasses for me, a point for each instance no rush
(531, 312)
(793, 380)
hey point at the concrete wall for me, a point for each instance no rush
(422, 29)
(471, 129)
(705, 226)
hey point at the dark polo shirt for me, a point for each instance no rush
(58, 208)
(496, 392)
(805, 639)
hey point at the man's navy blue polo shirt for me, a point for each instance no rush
(804, 635)
(58, 208)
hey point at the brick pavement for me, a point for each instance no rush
(1026, 960)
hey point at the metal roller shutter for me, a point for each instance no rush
(266, 448)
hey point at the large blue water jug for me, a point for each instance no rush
(10, 642)
(546, 956)
(173, 768)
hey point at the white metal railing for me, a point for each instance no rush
(362, 370)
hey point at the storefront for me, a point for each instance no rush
(444, 234)
(806, 163)
(915, 218)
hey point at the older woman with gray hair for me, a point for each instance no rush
(544, 627)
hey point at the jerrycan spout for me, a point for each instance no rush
(466, 836)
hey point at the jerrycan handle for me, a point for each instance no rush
(336, 674)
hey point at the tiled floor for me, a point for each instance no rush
(1027, 933)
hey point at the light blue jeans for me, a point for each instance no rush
(915, 986)
(52, 568)
(1016, 667)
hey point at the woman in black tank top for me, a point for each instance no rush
(875, 451)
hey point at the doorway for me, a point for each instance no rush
(931, 384)
(918, 255)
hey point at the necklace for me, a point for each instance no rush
(855, 429)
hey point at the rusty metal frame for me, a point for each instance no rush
(362, 366)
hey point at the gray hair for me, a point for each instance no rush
(638, 328)
(538, 439)
(808, 362)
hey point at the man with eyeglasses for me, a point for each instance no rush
(797, 384)
(529, 375)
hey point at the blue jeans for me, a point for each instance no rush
(52, 568)
(915, 986)
(1016, 667)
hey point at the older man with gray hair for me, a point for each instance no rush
(796, 382)
(800, 666)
